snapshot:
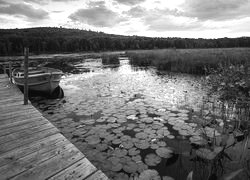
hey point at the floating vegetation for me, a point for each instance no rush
(130, 167)
(152, 159)
(164, 152)
(131, 124)
(208, 154)
(149, 175)
(142, 144)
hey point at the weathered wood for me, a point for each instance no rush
(17, 108)
(23, 151)
(76, 171)
(97, 176)
(7, 116)
(32, 160)
(24, 133)
(4, 69)
(63, 159)
(11, 120)
(31, 147)
(10, 71)
(22, 127)
(26, 72)
(27, 140)
(20, 121)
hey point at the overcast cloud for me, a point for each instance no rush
(24, 10)
(129, 2)
(98, 15)
(217, 9)
(184, 18)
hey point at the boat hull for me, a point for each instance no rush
(45, 83)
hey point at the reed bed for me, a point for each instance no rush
(110, 59)
(193, 61)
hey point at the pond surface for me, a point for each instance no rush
(133, 123)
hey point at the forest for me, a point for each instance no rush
(60, 40)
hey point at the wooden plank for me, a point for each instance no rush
(15, 120)
(11, 156)
(99, 175)
(24, 141)
(53, 165)
(79, 170)
(35, 159)
(8, 100)
(31, 147)
(22, 127)
(26, 114)
(17, 108)
(25, 133)
(8, 104)
(20, 122)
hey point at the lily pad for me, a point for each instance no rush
(198, 140)
(127, 144)
(142, 144)
(137, 158)
(208, 154)
(120, 152)
(141, 135)
(101, 147)
(152, 159)
(121, 176)
(164, 152)
(149, 174)
(141, 167)
(93, 140)
(116, 141)
(133, 151)
(116, 167)
(130, 167)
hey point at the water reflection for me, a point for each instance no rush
(118, 116)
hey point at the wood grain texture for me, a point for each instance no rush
(33, 148)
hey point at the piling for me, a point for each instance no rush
(26, 71)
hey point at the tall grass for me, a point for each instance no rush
(194, 61)
(110, 59)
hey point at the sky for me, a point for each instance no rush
(152, 18)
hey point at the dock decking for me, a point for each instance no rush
(31, 147)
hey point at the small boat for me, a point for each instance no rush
(41, 79)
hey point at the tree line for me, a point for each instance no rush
(59, 40)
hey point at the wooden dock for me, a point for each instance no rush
(31, 147)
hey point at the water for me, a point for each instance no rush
(127, 119)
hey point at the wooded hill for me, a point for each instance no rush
(55, 40)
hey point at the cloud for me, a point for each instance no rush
(63, 0)
(99, 16)
(42, 2)
(171, 23)
(163, 19)
(129, 2)
(96, 3)
(24, 10)
(216, 9)
(3, 2)
(136, 12)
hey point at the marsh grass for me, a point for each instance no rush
(193, 61)
(110, 59)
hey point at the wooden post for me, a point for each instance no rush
(10, 71)
(4, 69)
(26, 71)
